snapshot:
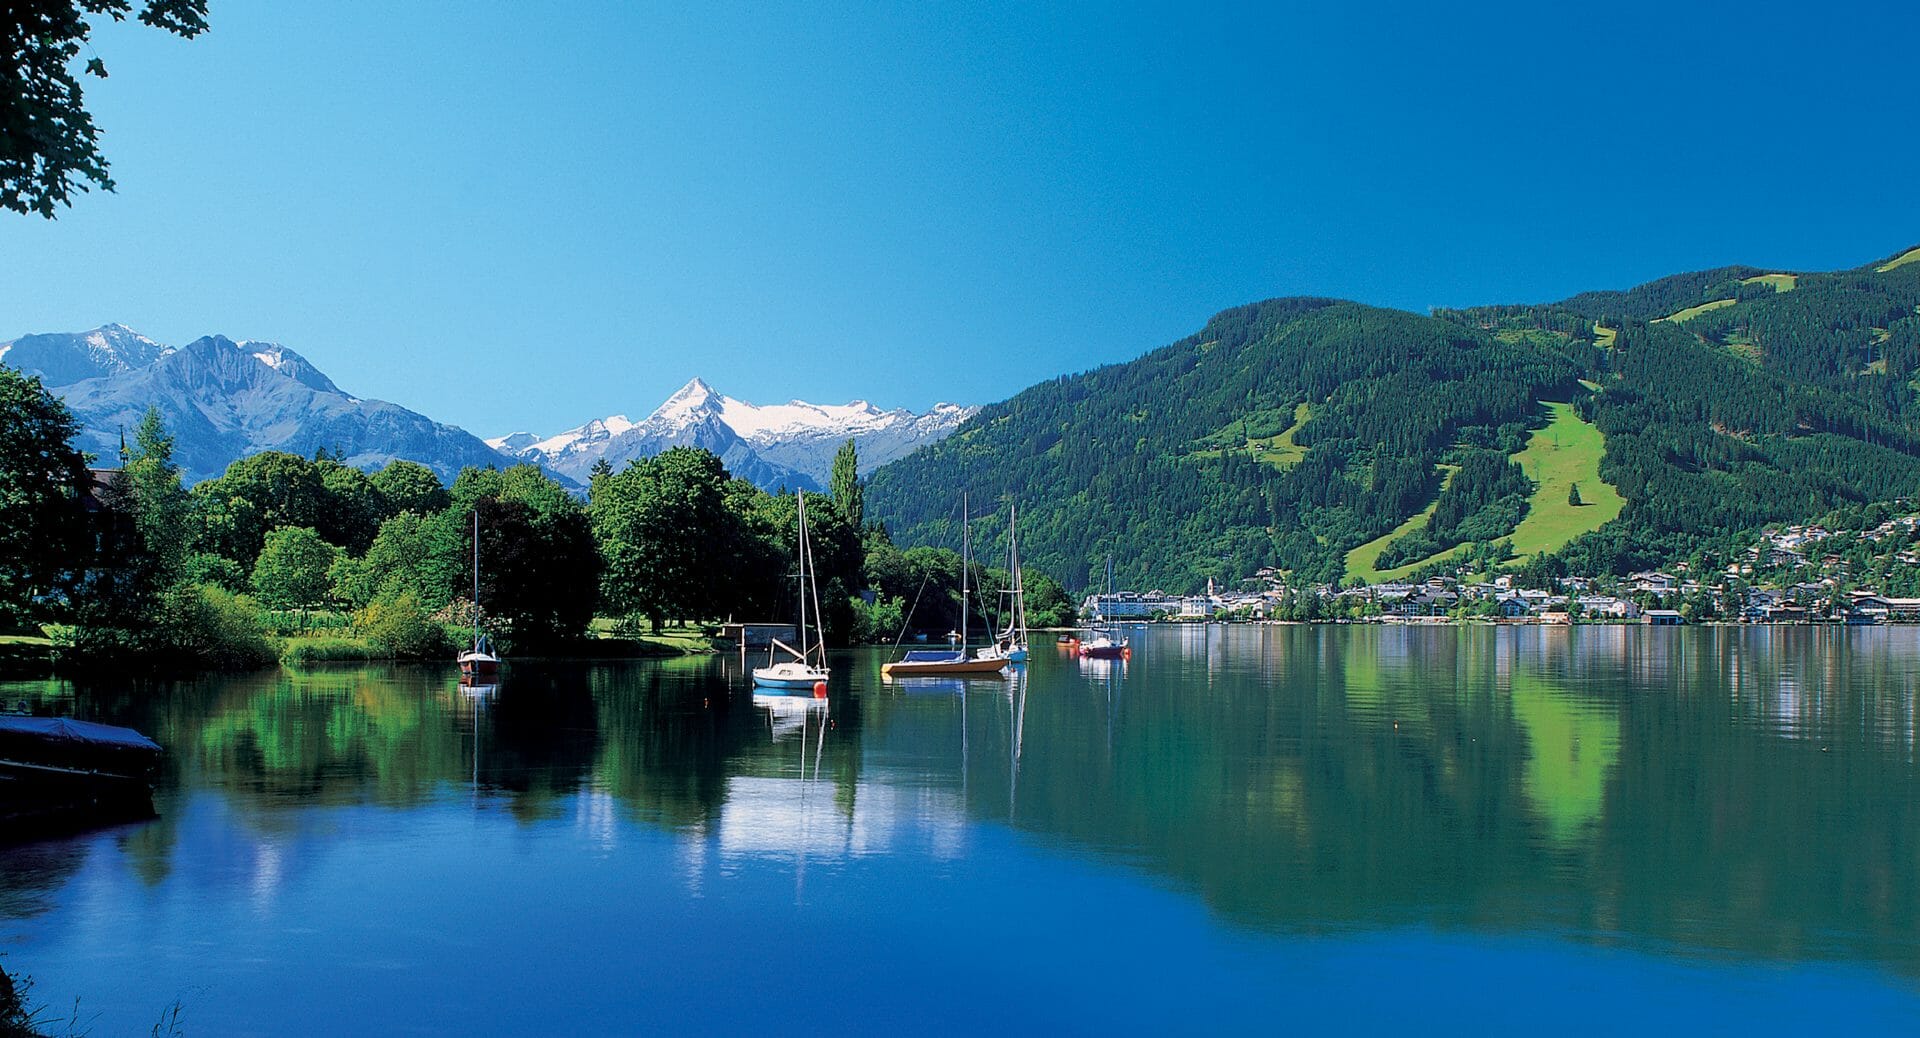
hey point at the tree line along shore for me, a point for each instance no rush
(305, 559)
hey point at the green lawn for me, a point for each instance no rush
(1360, 561)
(24, 639)
(1694, 311)
(1281, 451)
(1909, 256)
(25, 650)
(1603, 337)
(1255, 433)
(673, 639)
(1780, 282)
(1567, 451)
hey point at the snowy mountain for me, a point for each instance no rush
(223, 399)
(63, 358)
(790, 445)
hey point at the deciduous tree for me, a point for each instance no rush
(41, 475)
(49, 146)
(292, 570)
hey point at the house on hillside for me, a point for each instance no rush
(1652, 582)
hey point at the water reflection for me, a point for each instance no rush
(1728, 791)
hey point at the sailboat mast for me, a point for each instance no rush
(813, 588)
(1013, 561)
(476, 576)
(966, 553)
(800, 545)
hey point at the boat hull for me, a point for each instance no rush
(1104, 652)
(789, 676)
(58, 773)
(917, 668)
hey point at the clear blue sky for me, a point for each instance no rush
(524, 216)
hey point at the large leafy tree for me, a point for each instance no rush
(49, 147)
(292, 570)
(408, 486)
(258, 493)
(539, 575)
(668, 536)
(353, 506)
(273, 489)
(412, 555)
(539, 566)
(40, 476)
(837, 555)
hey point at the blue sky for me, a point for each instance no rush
(524, 216)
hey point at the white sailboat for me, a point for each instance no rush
(480, 664)
(801, 672)
(1012, 643)
(1103, 640)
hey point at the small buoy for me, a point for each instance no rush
(819, 690)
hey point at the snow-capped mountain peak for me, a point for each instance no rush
(689, 403)
(63, 358)
(597, 431)
(790, 444)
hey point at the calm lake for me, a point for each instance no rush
(1320, 828)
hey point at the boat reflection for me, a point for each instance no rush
(789, 715)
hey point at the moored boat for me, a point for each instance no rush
(808, 667)
(958, 660)
(56, 769)
(931, 662)
(480, 664)
(1104, 644)
(1012, 643)
(1103, 641)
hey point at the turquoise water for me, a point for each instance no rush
(1289, 828)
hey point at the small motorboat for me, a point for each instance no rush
(56, 770)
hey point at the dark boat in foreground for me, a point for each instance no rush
(59, 771)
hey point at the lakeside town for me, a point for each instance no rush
(1802, 573)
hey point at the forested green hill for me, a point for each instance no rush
(1290, 432)
(1166, 462)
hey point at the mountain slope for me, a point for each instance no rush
(224, 399)
(1163, 462)
(782, 445)
(1778, 397)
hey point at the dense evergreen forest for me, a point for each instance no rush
(1288, 433)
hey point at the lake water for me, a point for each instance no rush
(1319, 828)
